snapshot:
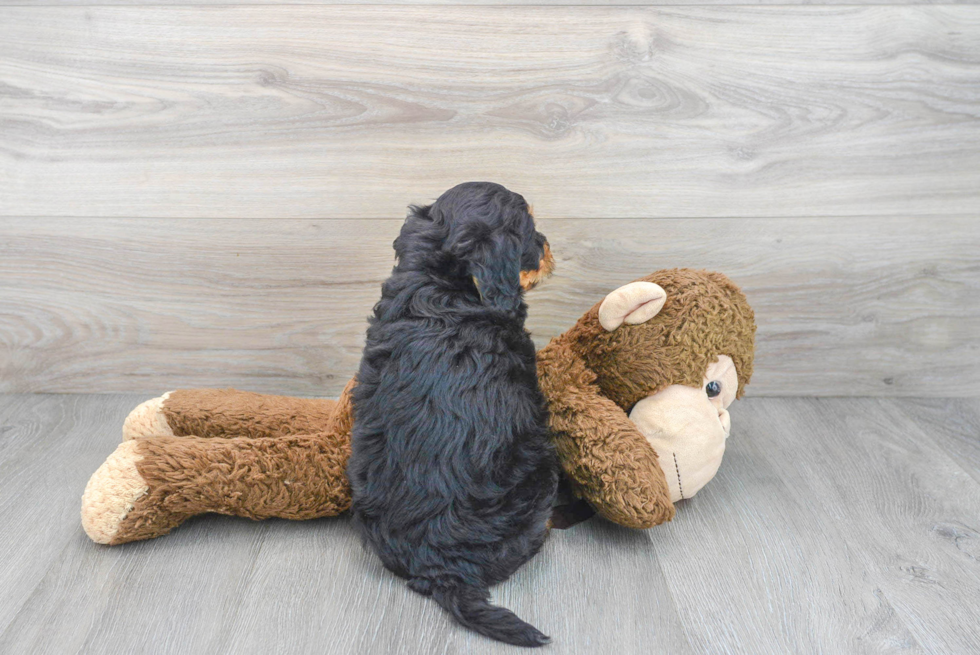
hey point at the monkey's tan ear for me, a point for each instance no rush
(633, 303)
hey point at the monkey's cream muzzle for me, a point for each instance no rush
(688, 429)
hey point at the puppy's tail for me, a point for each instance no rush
(471, 607)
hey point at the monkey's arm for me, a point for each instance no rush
(605, 457)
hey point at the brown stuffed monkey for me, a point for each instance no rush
(638, 391)
(639, 388)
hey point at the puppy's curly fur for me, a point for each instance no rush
(452, 470)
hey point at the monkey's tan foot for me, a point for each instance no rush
(148, 420)
(119, 505)
(111, 493)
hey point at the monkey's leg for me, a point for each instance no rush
(147, 487)
(229, 413)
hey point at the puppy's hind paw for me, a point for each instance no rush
(148, 420)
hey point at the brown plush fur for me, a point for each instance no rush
(261, 468)
(705, 315)
(592, 378)
(276, 456)
(290, 476)
(226, 413)
(604, 456)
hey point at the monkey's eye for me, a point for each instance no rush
(713, 388)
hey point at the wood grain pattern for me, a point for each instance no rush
(955, 427)
(305, 112)
(876, 480)
(48, 445)
(874, 306)
(834, 525)
(774, 567)
(509, 3)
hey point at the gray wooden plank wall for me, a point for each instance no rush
(877, 306)
(207, 195)
(521, 3)
(592, 112)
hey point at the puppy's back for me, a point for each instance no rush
(452, 470)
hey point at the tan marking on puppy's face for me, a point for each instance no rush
(530, 279)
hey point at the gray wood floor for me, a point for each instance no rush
(834, 525)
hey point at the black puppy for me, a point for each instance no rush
(452, 470)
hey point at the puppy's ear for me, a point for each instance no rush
(493, 259)
(420, 233)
